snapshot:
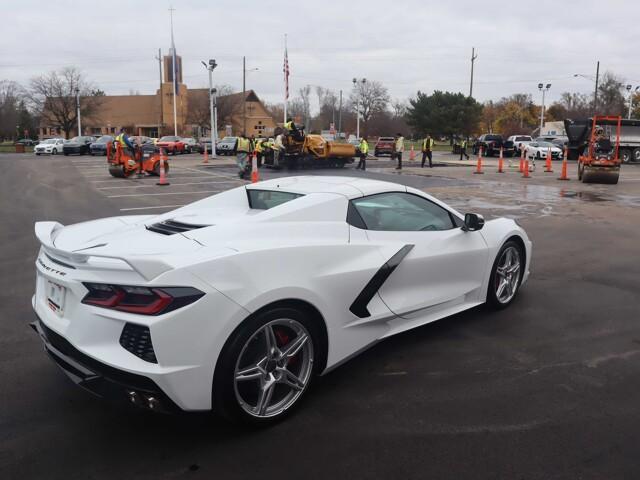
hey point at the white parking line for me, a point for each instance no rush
(160, 194)
(173, 184)
(209, 173)
(149, 208)
(153, 178)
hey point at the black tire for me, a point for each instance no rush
(635, 156)
(625, 155)
(580, 171)
(156, 168)
(224, 399)
(54, 151)
(538, 157)
(117, 171)
(37, 154)
(173, 152)
(492, 299)
(66, 154)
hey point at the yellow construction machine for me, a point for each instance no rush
(309, 151)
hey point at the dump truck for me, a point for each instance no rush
(600, 159)
(579, 132)
(309, 151)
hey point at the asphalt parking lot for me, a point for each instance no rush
(545, 389)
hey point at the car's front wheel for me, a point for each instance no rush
(54, 151)
(266, 366)
(506, 275)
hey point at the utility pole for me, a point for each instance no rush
(595, 95)
(473, 59)
(78, 110)
(244, 96)
(159, 58)
(340, 116)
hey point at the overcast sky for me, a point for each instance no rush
(407, 45)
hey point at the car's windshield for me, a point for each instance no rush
(105, 139)
(169, 139)
(546, 144)
(523, 139)
(227, 140)
(51, 140)
(266, 199)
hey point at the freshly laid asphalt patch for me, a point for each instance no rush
(546, 389)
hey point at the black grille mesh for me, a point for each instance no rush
(169, 227)
(137, 340)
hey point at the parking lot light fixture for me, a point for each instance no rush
(78, 110)
(358, 99)
(544, 89)
(212, 111)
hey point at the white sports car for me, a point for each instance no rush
(539, 150)
(234, 303)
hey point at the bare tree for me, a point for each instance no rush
(54, 95)
(10, 96)
(305, 103)
(374, 98)
(228, 104)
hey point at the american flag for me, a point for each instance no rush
(286, 74)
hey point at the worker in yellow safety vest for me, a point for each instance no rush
(243, 151)
(427, 147)
(463, 149)
(364, 150)
(258, 148)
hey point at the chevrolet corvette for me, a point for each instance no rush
(236, 302)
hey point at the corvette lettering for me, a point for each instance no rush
(49, 269)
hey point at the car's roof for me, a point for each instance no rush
(350, 187)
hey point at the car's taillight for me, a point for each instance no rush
(140, 300)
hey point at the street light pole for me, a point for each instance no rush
(244, 96)
(78, 111)
(543, 88)
(358, 98)
(212, 116)
(340, 116)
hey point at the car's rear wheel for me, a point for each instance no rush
(506, 275)
(266, 366)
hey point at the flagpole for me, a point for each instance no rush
(286, 78)
(173, 76)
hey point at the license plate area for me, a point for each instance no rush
(55, 296)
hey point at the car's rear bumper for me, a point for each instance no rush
(101, 379)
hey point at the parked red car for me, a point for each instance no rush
(172, 145)
(384, 146)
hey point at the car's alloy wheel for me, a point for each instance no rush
(266, 366)
(273, 368)
(54, 152)
(506, 275)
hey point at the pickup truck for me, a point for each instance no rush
(491, 144)
(520, 141)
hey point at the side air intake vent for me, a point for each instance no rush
(169, 227)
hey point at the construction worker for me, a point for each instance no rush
(293, 130)
(364, 150)
(259, 150)
(463, 148)
(427, 147)
(398, 148)
(243, 151)
(125, 142)
(278, 151)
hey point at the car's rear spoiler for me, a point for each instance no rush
(148, 268)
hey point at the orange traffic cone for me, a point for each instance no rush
(547, 167)
(522, 153)
(500, 162)
(479, 164)
(163, 174)
(255, 177)
(525, 173)
(412, 154)
(206, 157)
(563, 175)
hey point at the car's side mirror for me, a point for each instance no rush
(473, 222)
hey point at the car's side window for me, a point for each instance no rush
(402, 212)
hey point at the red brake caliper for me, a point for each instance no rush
(283, 339)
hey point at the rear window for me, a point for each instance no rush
(493, 137)
(386, 139)
(523, 139)
(266, 199)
